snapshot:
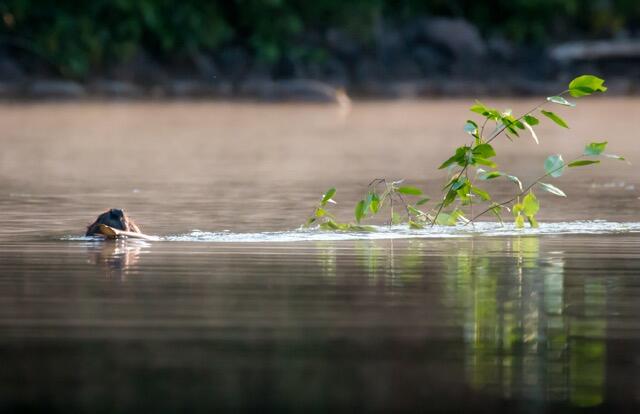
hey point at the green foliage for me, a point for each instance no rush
(555, 118)
(528, 208)
(360, 210)
(458, 158)
(78, 37)
(460, 193)
(531, 205)
(615, 157)
(580, 163)
(409, 190)
(319, 212)
(471, 128)
(554, 165)
(595, 148)
(560, 100)
(552, 189)
(586, 85)
(489, 175)
(328, 196)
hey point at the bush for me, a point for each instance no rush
(78, 37)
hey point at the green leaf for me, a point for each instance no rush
(552, 189)
(373, 200)
(422, 201)
(327, 196)
(560, 100)
(531, 205)
(414, 225)
(320, 212)
(580, 163)
(509, 123)
(595, 148)
(531, 120)
(533, 222)
(360, 210)
(357, 228)
(479, 108)
(517, 209)
(484, 151)
(519, 222)
(482, 161)
(409, 190)
(515, 180)
(554, 165)
(481, 193)
(443, 219)
(586, 85)
(449, 198)
(459, 183)
(458, 157)
(489, 175)
(485, 111)
(615, 157)
(396, 218)
(329, 225)
(333, 226)
(310, 221)
(457, 215)
(555, 118)
(367, 202)
(470, 127)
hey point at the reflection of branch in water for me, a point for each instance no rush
(521, 341)
(116, 256)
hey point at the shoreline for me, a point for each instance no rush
(294, 90)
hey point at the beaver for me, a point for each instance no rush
(115, 218)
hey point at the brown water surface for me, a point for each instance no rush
(518, 322)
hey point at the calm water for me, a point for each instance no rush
(236, 310)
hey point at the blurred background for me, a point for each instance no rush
(305, 50)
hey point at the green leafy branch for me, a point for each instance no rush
(460, 193)
(555, 167)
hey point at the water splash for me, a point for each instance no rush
(488, 229)
(403, 232)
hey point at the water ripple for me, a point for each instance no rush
(402, 232)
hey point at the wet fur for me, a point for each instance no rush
(115, 218)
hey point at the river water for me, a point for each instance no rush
(235, 308)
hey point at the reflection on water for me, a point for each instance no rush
(513, 324)
(116, 257)
(522, 339)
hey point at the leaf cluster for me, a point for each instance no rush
(467, 165)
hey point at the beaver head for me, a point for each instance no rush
(115, 218)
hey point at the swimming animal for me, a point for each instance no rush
(114, 218)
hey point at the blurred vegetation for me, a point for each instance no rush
(77, 37)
